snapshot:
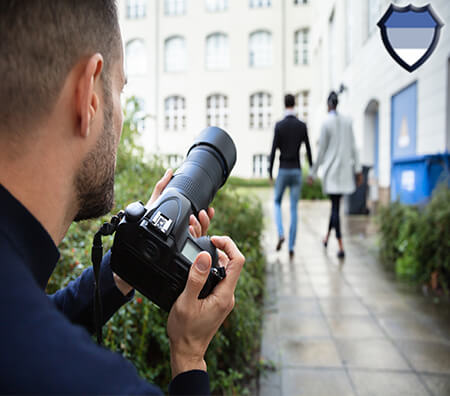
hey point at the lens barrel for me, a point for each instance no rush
(206, 168)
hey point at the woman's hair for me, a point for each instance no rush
(333, 100)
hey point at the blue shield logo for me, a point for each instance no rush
(410, 34)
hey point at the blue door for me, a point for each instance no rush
(403, 137)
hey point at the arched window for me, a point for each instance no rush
(216, 5)
(260, 3)
(175, 113)
(175, 54)
(217, 110)
(136, 108)
(174, 7)
(301, 47)
(260, 110)
(302, 100)
(260, 45)
(135, 58)
(217, 52)
(136, 9)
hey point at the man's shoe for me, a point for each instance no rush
(280, 242)
(291, 254)
(341, 254)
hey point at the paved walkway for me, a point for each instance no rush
(339, 329)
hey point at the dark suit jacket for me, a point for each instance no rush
(290, 134)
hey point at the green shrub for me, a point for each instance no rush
(313, 191)
(138, 329)
(415, 242)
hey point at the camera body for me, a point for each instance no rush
(153, 250)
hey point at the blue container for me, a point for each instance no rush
(414, 178)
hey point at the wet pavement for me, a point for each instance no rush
(346, 327)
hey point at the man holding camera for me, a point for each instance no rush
(60, 122)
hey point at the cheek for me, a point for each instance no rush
(118, 119)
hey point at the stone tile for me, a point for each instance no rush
(292, 326)
(334, 291)
(387, 384)
(296, 290)
(410, 329)
(343, 306)
(306, 382)
(354, 327)
(309, 353)
(370, 354)
(427, 356)
(299, 306)
(382, 304)
(438, 384)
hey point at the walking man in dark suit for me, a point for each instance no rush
(290, 134)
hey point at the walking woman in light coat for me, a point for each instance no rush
(339, 160)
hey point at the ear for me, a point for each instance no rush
(87, 98)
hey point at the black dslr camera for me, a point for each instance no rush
(152, 248)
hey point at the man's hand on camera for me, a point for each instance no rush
(198, 228)
(192, 322)
(123, 286)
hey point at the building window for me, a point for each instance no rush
(260, 165)
(216, 5)
(217, 52)
(135, 108)
(260, 45)
(175, 54)
(260, 110)
(301, 48)
(136, 9)
(174, 7)
(260, 3)
(301, 2)
(135, 58)
(302, 105)
(175, 113)
(174, 161)
(217, 110)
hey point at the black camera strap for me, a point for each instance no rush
(96, 258)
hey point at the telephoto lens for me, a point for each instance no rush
(207, 166)
(153, 250)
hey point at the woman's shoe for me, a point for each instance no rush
(280, 242)
(341, 254)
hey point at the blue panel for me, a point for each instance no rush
(404, 123)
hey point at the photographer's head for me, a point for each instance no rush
(332, 101)
(61, 65)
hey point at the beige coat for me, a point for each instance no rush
(337, 156)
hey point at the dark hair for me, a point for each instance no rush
(41, 41)
(289, 100)
(333, 100)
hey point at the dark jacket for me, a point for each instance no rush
(290, 134)
(45, 341)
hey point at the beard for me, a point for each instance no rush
(94, 180)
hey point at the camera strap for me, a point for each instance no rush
(96, 258)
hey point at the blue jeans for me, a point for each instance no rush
(293, 179)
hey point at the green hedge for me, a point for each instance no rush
(138, 330)
(415, 242)
(313, 191)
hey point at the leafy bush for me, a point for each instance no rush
(138, 329)
(415, 242)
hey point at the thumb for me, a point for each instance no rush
(198, 274)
